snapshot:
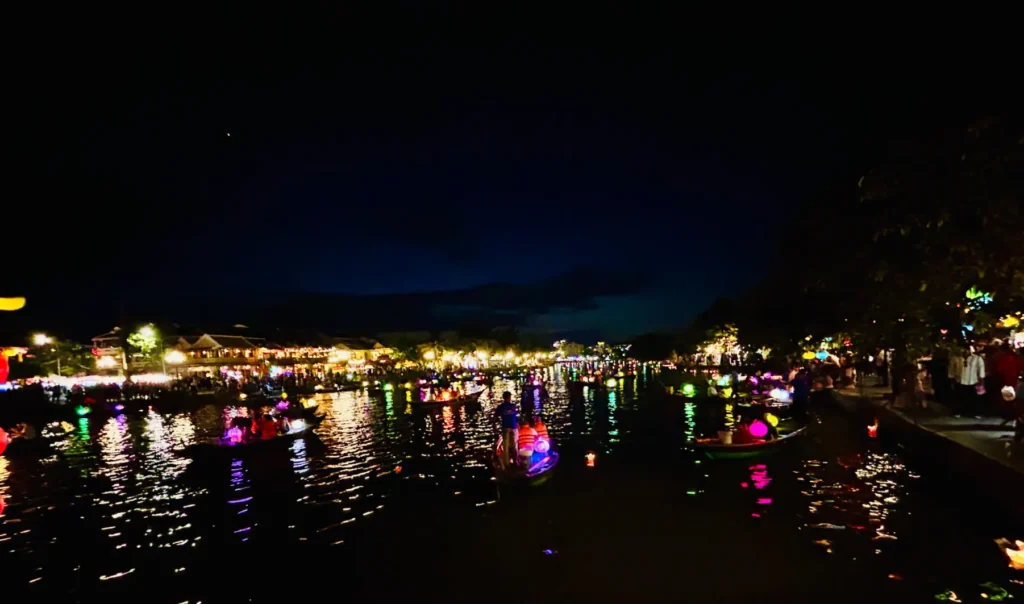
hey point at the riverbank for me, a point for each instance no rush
(979, 451)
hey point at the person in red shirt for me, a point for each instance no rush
(266, 428)
(1007, 368)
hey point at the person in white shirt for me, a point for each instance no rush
(967, 372)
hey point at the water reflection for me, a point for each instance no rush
(115, 502)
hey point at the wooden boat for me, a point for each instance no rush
(281, 442)
(715, 449)
(538, 474)
(461, 400)
(36, 447)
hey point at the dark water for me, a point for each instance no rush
(392, 501)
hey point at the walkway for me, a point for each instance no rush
(986, 436)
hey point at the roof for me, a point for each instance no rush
(358, 344)
(209, 341)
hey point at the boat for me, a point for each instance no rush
(538, 474)
(281, 442)
(461, 400)
(715, 449)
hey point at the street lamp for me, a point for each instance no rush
(174, 357)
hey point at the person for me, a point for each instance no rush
(801, 391)
(266, 428)
(527, 438)
(1007, 367)
(540, 428)
(742, 436)
(509, 422)
(283, 424)
(23, 430)
(969, 380)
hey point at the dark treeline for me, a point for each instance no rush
(886, 258)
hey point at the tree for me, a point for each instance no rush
(60, 357)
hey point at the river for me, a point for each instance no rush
(390, 501)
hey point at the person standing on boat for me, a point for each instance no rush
(801, 391)
(507, 411)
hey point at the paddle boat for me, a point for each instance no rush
(716, 449)
(225, 448)
(535, 475)
(452, 400)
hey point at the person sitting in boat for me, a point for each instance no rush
(266, 428)
(527, 440)
(741, 435)
(509, 422)
(543, 444)
(23, 430)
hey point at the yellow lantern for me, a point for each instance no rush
(808, 356)
(12, 303)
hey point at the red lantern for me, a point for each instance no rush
(5, 368)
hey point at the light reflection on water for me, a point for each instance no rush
(115, 494)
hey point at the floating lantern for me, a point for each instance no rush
(591, 459)
(780, 395)
(389, 387)
(758, 429)
(82, 410)
(808, 356)
(821, 355)
(873, 429)
(3, 440)
(282, 406)
(611, 383)
(689, 391)
(12, 303)
(771, 419)
(542, 445)
(4, 368)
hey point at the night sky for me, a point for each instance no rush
(432, 153)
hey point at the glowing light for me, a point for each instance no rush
(429, 355)
(82, 410)
(12, 303)
(282, 406)
(174, 357)
(510, 355)
(758, 429)
(1009, 321)
(821, 355)
(284, 396)
(542, 445)
(389, 387)
(780, 395)
(242, 396)
(689, 391)
(726, 392)
(612, 382)
(41, 339)
(1016, 556)
(297, 425)
(724, 380)
(807, 356)
(119, 407)
(873, 430)
(106, 363)
(591, 459)
(771, 419)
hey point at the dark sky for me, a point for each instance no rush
(433, 151)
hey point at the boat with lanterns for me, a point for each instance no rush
(537, 474)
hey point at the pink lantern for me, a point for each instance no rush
(542, 445)
(758, 429)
